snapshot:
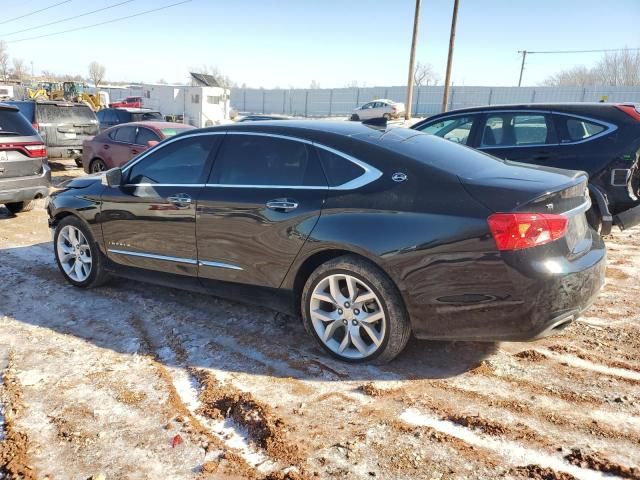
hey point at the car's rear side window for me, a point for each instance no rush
(339, 170)
(456, 129)
(262, 160)
(125, 135)
(14, 123)
(575, 129)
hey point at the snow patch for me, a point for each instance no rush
(512, 452)
(587, 365)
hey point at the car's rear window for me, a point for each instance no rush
(13, 122)
(51, 113)
(146, 116)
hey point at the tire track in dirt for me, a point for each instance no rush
(14, 446)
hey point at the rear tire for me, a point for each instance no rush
(18, 207)
(354, 311)
(97, 166)
(78, 162)
(594, 218)
(77, 254)
(355, 118)
(386, 116)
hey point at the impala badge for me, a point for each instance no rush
(399, 177)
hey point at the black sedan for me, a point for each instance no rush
(369, 235)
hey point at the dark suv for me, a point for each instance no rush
(62, 125)
(24, 171)
(602, 139)
(109, 117)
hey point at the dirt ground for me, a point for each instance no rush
(132, 381)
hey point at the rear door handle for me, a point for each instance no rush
(542, 156)
(180, 200)
(282, 205)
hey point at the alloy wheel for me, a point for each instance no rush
(74, 253)
(348, 316)
(98, 166)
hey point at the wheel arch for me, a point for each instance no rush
(299, 276)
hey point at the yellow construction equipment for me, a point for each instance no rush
(76, 92)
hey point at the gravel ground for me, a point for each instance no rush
(132, 381)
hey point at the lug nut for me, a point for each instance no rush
(347, 304)
(356, 312)
(355, 322)
(345, 321)
(340, 311)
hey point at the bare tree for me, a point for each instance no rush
(352, 84)
(19, 69)
(619, 68)
(4, 61)
(314, 85)
(96, 73)
(424, 75)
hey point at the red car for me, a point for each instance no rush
(128, 102)
(117, 145)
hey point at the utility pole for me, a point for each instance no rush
(452, 39)
(412, 62)
(524, 57)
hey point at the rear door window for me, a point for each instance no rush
(13, 123)
(507, 129)
(575, 129)
(457, 129)
(266, 161)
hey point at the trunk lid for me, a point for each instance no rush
(514, 187)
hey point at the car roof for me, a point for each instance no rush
(63, 103)
(154, 125)
(134, 110)
(566, 106)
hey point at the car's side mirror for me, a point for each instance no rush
(152, 143)
(112, 178)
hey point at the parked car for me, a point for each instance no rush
(109, 117)
(128, 102)
(62, 125)
(260, 117)
(602, 139)
(386, 109)
(368, 234)
(116, 146)
(24, 172)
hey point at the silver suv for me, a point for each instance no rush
(24, 170)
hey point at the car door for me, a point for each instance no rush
(367, 111)
(119, 149)
(263, 199)
(149, 221)
(522, 136)
(144, 135)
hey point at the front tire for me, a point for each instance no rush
(18, 207)
(77, 254)
(355, 118)
(354, 311)
(78, 162)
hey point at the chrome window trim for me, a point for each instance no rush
(370, 174)
(196, 185)
(153, 256)
(205, 263)
(627, 177)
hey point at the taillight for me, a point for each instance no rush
(516, 231)
(33, 150)
(632, 110)
(36, 150)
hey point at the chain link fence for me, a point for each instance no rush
(327, 102)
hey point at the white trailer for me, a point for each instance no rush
(199, 106)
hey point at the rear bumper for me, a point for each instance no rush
(529, 304)
(70, 151)
(628, 218)
(24, 189)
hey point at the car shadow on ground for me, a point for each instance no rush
(215, 333)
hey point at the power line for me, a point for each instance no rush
(67, 19)
(101, 23)
(34, 12)
(581, 51)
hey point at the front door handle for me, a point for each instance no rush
(180, 200)
(282, 205)
(542, 156)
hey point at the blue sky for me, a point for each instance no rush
(292, 42)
